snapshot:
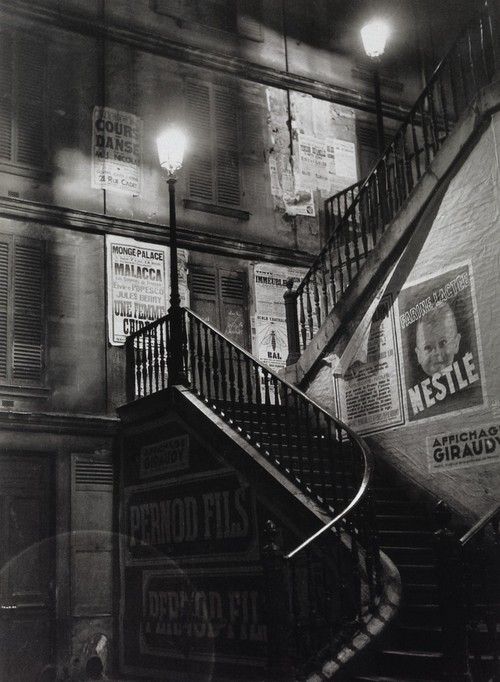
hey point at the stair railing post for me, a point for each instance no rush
(452, 598)
(129, 369)
(292, 323)
(279, 622)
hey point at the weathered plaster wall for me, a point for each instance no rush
(464, 234)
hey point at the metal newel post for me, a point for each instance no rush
(176, 371)
(129, 369)
(452, 598)
(279, 623)
(292, 323)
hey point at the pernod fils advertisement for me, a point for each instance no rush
(116, 151)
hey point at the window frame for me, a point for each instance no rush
(9, 384)
(20, 38)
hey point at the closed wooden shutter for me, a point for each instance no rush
(250, 19)
(220, 297)
(22, 99)
(200, 167)
(27, 327)
(227, 166)
(4, 300)
(30, 103)
(214, 174)
(6, 80)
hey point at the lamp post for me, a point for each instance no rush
(374, 36)
(171, 145)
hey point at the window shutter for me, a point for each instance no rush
(30, 103)
(27, 346)
(250, 19)
(227, 162)
(203, 293)
(4, 299)
(200, 167)
(233, 306)
(6, 80)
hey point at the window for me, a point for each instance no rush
(234, 16)
(213, 172)
(220, 297)
(22, 100)
(21, 310)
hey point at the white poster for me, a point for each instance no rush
(328, 165)
(137, 285)
(116, 151)
(313, 171)
(476, 445)
(271, 343)
(369, 395)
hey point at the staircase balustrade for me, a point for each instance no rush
(333, 576)
(468, 570)
(358, 217)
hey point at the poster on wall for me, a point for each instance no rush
(440, 344)
(271, 343)
(369, 394)
(116, 151)
(137, 274)
(474, 446)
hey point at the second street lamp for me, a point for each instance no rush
(171, 146)
(374, 36)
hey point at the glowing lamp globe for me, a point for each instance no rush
(374, 36)
(171, 146)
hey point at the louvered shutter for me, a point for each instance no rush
(233, 306)
(227, 162)
(27, 332)
(201, 161)
(4, 300)
(203, 293)
(6, 80)
(250, 19)
(30, 103)
(91, 541)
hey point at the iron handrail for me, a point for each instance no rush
(366, 452)
(416, 112)
(367, 457)
(480, 525)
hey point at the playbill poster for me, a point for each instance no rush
(137, 275)
(369, 395)
(116, 151)
(271, 342)
(440, 345)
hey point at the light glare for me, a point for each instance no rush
(171, 146)
(374, 36)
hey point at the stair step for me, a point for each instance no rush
(424, 637)
(423, 664)
(417, 555)
(396, 538)
(401, 522)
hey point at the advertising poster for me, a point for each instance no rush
(137, 285)
(440, 345)
(271, 343)
(369, 395)
(116, 151)
(326, 165)
(474, 446)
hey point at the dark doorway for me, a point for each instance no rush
(26, 567)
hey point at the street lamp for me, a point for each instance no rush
(374, 36)
(171, 146)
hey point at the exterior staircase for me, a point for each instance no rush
(332, 606)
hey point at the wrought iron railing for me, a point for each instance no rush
(468, 571)
(322, 457)
(368, 209)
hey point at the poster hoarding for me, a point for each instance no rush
(116, 151)
(440, 345)
(137, 285)
(369, 395)
(474, 446)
